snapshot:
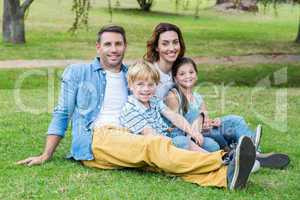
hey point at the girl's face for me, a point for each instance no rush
(168, 46)
(186, 76)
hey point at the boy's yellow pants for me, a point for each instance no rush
(115, 148)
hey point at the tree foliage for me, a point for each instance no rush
(81, 10)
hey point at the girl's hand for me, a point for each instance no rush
(207, 124)
(216, 122)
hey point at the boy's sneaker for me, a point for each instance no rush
(241, 165)
(258, 136)
(273, 160)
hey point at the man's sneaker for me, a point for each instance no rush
(273, 160)
(255, 167)
(258, 136)
(240, 166)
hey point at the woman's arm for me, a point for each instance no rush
(172, 101)
(180, 122)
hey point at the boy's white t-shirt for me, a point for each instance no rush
(115, 98)
(166, 83)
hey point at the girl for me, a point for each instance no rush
(182, 99)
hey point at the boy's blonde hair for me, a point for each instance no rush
(142, 70)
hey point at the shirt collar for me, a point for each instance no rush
(97, 65)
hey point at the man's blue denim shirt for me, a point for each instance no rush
(81, 97)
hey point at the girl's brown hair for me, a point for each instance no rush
(184, 106)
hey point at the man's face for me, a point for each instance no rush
(111, 50)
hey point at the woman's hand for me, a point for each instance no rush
(216, 122)
(197, 137)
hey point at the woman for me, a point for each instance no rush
(165, 46)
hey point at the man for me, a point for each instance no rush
(92, 96)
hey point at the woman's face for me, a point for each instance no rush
(186, 76)
(168, 47)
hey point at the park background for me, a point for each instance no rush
(259, 89)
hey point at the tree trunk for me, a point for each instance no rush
(222, 1)
(298, 34)
(13, 27)
(245, 5)
(145, 5)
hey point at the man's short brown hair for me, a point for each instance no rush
(111, 28)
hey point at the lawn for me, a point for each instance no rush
(212, 34)
(26, 112)
(262, 93)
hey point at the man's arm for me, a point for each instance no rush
(61, 115)
(50, 146)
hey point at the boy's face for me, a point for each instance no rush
(143, 90)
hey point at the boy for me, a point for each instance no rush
(142, 112)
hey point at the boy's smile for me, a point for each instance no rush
(143, 90)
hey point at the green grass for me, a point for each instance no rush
(25, 113)
(213, 33)
(22, 133)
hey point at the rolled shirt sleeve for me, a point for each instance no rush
(66, 103)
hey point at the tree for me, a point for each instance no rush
(13, 27)
(276, 2)
(145, 4)
(298, 34)
(247, 5)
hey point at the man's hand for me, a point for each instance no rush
(35, 160)
(51, 144)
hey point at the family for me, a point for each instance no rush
(148, 116)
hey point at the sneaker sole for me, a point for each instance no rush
(273, 160)
(257, 139)
(244, 160)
